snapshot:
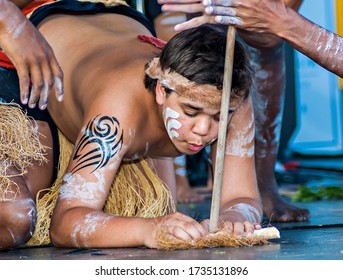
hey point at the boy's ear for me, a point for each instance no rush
(160, 93)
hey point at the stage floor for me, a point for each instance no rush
(321, 238)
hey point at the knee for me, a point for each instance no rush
(17, 222)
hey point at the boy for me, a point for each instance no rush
(124, 101)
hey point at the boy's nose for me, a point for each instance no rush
(202, 127)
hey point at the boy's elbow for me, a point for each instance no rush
(59, 234)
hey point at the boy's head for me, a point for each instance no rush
(192, 64)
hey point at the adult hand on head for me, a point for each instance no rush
(261, 23)
(251, 17)
(260, 16)
(189, 7)
(32, 56)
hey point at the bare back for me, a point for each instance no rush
(102, 58)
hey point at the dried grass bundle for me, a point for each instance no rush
(219, 239)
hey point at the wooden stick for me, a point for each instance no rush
(223, 123)
(267, 233)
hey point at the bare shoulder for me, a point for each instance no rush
(126, 103)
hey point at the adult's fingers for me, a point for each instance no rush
(58, 80)
(46, 78)
(194, 22)
(24, 83)
(225, 3)
(39, 88)
(178, 1)
(192, 8)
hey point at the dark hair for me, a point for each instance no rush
(199, 55)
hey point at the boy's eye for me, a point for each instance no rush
(192, 115)
(216, 117)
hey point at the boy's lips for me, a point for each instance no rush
(195, 147)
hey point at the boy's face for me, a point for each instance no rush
(191, 125)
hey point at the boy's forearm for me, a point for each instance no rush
(85, 228)
(247, 209)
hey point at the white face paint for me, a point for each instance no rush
(242, 142)
(89, 224)
(249, 212)
(171, 122)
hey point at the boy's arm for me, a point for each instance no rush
(78, 219)
(240, 206)
(31, 55)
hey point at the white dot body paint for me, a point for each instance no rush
(87, 225)
(14, 24)
(268, 139)
(242, 142)
(331, 46)
(228, 20)
(13, 236)
(249, 212)
(137, 155)
(171, 122)
(44, 96)
(30, 211)
(26, 213)
(77, 187)
(59, 87)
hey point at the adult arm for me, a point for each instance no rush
(31, 55)
(240, 205)
(269, 17)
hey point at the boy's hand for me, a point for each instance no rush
(175, 226)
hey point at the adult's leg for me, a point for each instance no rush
(268, 98)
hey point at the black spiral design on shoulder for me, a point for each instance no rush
(105, 134)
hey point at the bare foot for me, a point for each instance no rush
(276, 208)
(188, 194)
